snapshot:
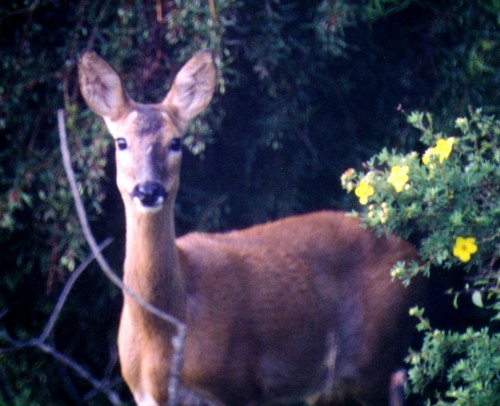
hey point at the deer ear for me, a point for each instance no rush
(101, 86)
(193, 87)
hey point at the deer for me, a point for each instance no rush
(301, 308)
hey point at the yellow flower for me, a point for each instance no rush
(442, 150)
(364, 191)
(398, 177)
(464, 248)
(427, 156)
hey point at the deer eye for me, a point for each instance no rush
(121, 143)
(176, 144)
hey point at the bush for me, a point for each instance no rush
(446, 199)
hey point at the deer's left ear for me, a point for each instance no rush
(193, 87)
(101, 87)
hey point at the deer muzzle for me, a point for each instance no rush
(149, 196)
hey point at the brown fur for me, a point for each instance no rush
(300, 308)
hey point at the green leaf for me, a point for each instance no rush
(477, 298)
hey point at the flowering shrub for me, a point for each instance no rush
(448, 199)
(470, 361)
(449, 194)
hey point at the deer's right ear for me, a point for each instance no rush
(101, 87)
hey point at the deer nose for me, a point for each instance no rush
(149, 195)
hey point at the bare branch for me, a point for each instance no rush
(39, 343)
(213, 11)
(101, 386)
(67, 288)
(82, 372)
(176, 366)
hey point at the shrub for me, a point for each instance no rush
(445, 198)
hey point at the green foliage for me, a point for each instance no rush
(469, 363)
(476, 53)
(306, 89)
(447, 198)
(448, 192)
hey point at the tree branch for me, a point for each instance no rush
(67, 288)
(39, 342)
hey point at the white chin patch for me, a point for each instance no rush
(148, 209)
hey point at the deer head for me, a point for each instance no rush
(148, 137)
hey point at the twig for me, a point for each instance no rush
(112, 395)
(159, 13)
(39, 342)
(67, 288)
(65, 360)
(176, 365)
(213, 11)
(179, 339)
(107, 375)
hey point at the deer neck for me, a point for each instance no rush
(152, 267)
